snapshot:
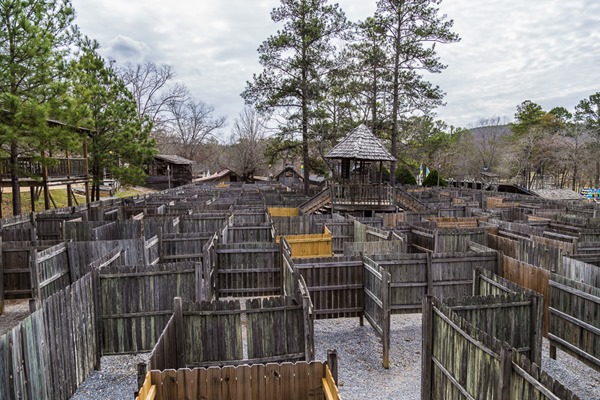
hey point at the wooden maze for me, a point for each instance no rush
(208, 282)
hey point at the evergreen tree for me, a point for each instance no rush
(119, 143)
(411, 28)
(295, 61)
(34, 43)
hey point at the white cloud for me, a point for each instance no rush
(543, 50)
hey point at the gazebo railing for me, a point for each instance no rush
(365, 194)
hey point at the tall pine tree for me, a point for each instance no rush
(295, 60)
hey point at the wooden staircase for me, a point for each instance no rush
(409, 202)
(318, 204)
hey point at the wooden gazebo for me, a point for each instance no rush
(356, 183)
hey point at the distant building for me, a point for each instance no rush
(224, 176)
(168, 171)
(293, 178)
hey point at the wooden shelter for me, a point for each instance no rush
(168, 171)
(358, 174)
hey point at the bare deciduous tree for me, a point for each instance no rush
(192, 123)
(247, 148)
(153, 89)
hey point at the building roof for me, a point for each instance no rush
(215, 176)
(174, 159)
(361, 144)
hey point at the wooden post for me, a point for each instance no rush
(309, 344)
(505, 373)
(476, 281)
(142, 369)
(35, 281)
(427, 351)
(97, 311)
(69, 193)
(160, 245)
(179, 331)
(332, 361)
(537, 315)
(1, 280)
(33, 230)
(429, 275)
(385, 302)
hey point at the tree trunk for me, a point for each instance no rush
(14, 179)
(395, 104)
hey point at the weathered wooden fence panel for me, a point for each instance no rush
(248, 269)
(341, 232)
(243, 234)
(275, 329)
(372, 248)
(456, 240)
(515, 319)
(376, 292)
(55, 349)
(49, 225)
(51, 271)
(81, 254)
(203, 223)
(530, 277)
(176, 247)
(81, 230)
(164, 353)
(16, 260)
(575, 320)
(580, 271)
(137, 302)
(335, 285)
(459, 359)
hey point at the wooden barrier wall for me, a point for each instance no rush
(205, 222)
(443, 275)
(291, 381)
(530, 277)
(459, 360)
(52, 351)
(312, 245)
(580, 271)
(376, 303)
(575, 320)
(248, 269)
(243, 234)
(178, 247)
(137, 302)
(335, 285)
(50, 271)
(515, 319)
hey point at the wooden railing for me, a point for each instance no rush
(58, 168)
(366, 194)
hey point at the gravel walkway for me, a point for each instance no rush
(361, 374)
(15, 311)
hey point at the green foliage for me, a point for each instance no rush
(529, 115)
(34, 43)
(433, 180)
(119, 138)
(295, 61)
(404, 176)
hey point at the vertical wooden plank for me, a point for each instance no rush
(244, 383)
(505, 373)
(213, 383)
(386, 311)
(287, 381)
(427, 352)
(228, 383)
(179, 332)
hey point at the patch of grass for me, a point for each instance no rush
(60, 199)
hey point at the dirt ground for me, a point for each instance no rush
(15, 311)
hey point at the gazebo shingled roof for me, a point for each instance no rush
(360, 144)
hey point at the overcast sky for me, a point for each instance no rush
(547, 51)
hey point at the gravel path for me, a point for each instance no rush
(361, 374)
(15, 311)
